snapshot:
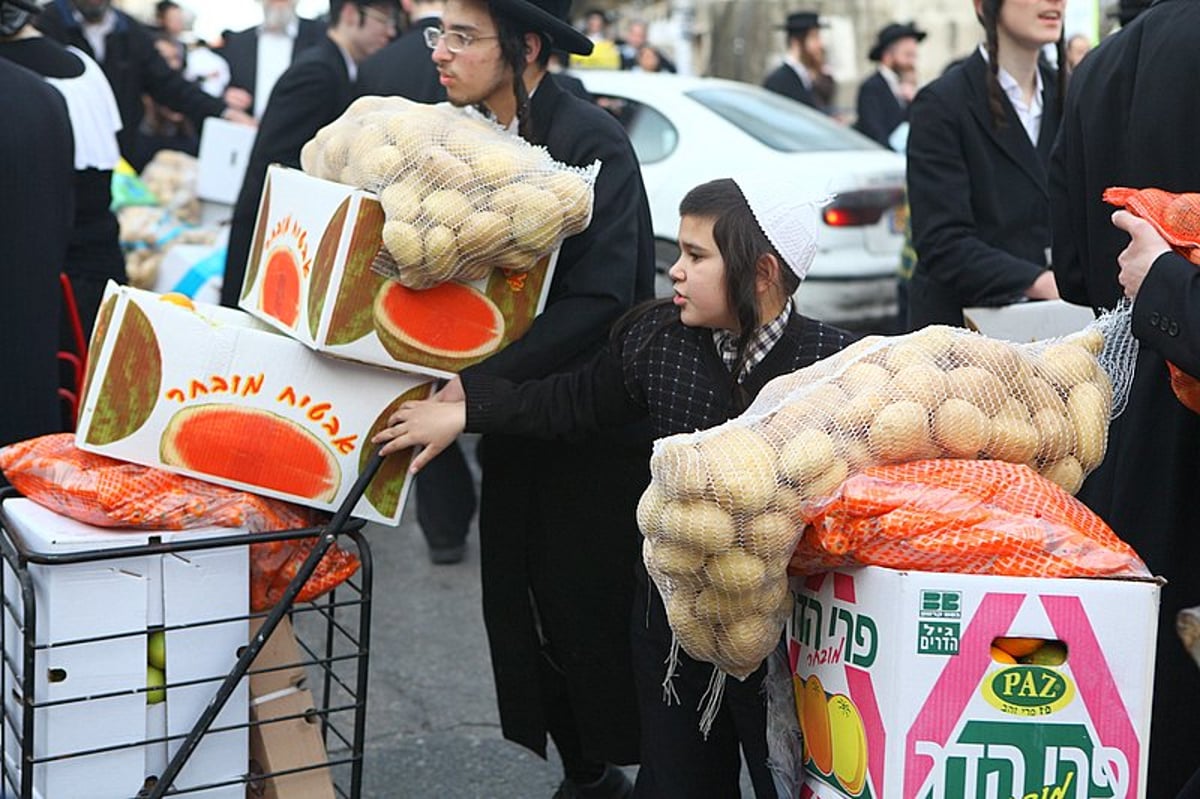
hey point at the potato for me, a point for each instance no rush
(404, 243)
(538, 230)
(1064, 364)
(792, 418)
(735, 571)
(441, 170)
(1088, 411)
(574, 197)
(650, 510)
(1012, 440)
(999, 358)
(1013, 408)
(412, 140)
(826, 482)
(856, 453)
(310, 158)
(857, 414)
(860, 377)
(716, 605)
(805, 455)
(1066, 472)
(483, 233)
(788, 503)
(901, 433)
(440, 256)
(1039, 394)
(695, 634)
(680, 469)
(745, 642)
(1055, 433)
(1090, 339)
(447, 207)
(904, 354)
(770, 535)
(365, 105)
(977, 386)
(497, 164)
(681, 563)
(741, 466)
(698, 524)
(921, 383)
(960, 428)
(378, 167)
(401, 201)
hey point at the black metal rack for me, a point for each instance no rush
(333, 635)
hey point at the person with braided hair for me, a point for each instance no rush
(978, 146)
(559, 541)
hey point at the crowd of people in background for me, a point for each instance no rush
(1004, 207)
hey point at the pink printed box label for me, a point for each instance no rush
(899, 691)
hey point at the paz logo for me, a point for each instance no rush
(1028, 690)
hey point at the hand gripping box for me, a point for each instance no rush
(90, 625)
(209, 392)
(309, 275)
(899, 694)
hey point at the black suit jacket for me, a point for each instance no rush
(313, 92)
(879, 112)
(980, 205)
(1130, 114)
(404, 68)
(240, 49)
(133, 68)
(37, 159)
(785, 81)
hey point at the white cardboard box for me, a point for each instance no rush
(78, 603)
(223, 157)
(899, 665)
(1024, 322)
(216, 395)
(309, 275)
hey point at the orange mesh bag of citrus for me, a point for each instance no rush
(105, 492)
(1177, 219)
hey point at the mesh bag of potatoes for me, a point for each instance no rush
(460, 195)
(726, 506)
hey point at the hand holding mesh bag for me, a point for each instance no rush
(726, 506)
(460, 195)
(1176, 217)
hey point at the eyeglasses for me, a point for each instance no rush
(386, 20)
(455, 41)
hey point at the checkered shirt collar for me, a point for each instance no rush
(765, 338)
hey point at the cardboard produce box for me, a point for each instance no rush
(309, 275)
(1024, 322)
(279, 666)
(287, 738)
(210, 393)
(92, 621)
(899, 694)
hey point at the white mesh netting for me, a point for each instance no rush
(726, 506)
(460, 195)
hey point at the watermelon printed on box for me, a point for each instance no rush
(210, 392)
(309, 275)
(900, 693)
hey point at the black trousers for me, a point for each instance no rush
(446, 499)
(677, 761)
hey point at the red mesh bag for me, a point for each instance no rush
(1176, 217)
(965, 516)
(104, 492)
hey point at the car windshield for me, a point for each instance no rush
(778, 122)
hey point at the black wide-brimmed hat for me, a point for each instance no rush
(548, 17)
(801, 21)
(893, 33)
(1126, 10)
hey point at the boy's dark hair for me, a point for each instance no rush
(163, 6)
(335, 8)
(741, 242)
(511, 38)
(989, 14)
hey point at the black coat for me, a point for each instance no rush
(313, 92)
(240, 49)
(879, 111)
(980, 205)
(133, 67)
(557, 520)
(784, 80)
(404, 68)
(37, 158)
(1130, 105)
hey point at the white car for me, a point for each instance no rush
(687, 130)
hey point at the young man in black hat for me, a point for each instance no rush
(558, 535)
(802, 74)
(883, 98)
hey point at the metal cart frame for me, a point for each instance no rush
(332, 610)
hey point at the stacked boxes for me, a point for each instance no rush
(899, 693)
(90, 623)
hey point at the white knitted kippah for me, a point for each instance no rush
(788, 217)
